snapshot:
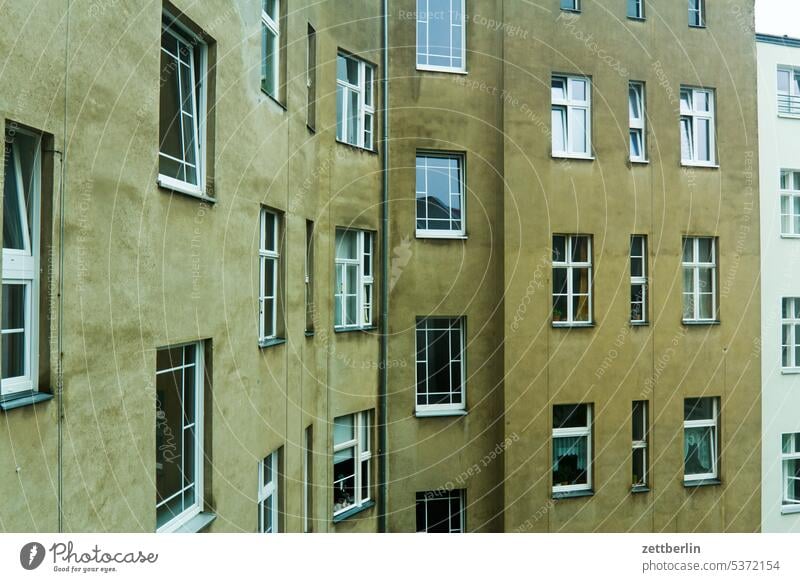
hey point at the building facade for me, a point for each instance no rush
(779, 132)
(586, 234)
(213, 322)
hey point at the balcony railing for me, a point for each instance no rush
(789, 104)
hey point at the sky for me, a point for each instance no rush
(778, 17)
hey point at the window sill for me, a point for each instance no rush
(701, 483)
(640, 323)
(197, 524)
(573, 494)
(692, 322)
(565, 156)
(309, 333)
(790, 371)
(357, 147)
(312, 129)
(354, 329)
(794, 236)
(439, 413)
(700, 26)
(443, 236)
(21, 399)
(273, 99)
(452, 71)
(353, 511)
(789, 115)
(686, 164)
(558, 325)
(790, 509)
(185, 189)
(274, 341)
(637, 18)
(640, 489)
(639, 162)
(572, 10)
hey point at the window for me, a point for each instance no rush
(790, 203)
(574, 5)
(571, 116)
(440, 364)
(700, 438)
(268, 486)
(308, 476)
(352, 457)
(638, 278)
(790, 336)
(698, 141)
(180, 392)
(354, 279)
(309, 276)
(790, 456)
(440, 35)
(270, 47)
(182, 110)
(355, 106)
(572, 279)
(440, 195)
(21, 244)
(697, 13)
(699, 279)
(268, 257)
(788, 91)
(311, 78)
(572, 448)
(636, 113)
(636, 9)
(639, 443)
(440, 511)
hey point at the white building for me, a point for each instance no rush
(779, 137)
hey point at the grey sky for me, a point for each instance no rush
(778, 17)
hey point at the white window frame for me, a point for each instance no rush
(638, 125)
(690, 117)
(641, 445)
(362, 452)
(199, 119)
(789, 100)
(639, 10)
(568, 104)
(697, 7)
(456, 523)
(268, 259)
(712, 422)
(460, 390)
(790, 333)
(365, 291)
(366, 104)
(572, 432)
(308, 277)
(570, 265)
(790, 441)
(271, 23)
(268, 494)
(21, 266)
(789, 189)
(308, 470)
(639, 280)
(199, 393)
(460, 232)
(696, 265)
(575, 5)
(423, 56)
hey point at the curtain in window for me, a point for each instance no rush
(699, 450)
(569, 460)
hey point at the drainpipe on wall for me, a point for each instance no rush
(60, 335)
(383, 381)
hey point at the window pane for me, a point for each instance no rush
(13, 339)
(343, 429)
(570, 415)
(639, 467)
(269, 60)
(580, 249)
(559, 248)
(353, 121)
(578, 137)
(559, 116)
(705, 250)
(687, 142)
(634, 104)
(570, 461)
(698, 409)
(638, 421)
(577, 88)
(346, 244)
(13, 230)
(704, 140)
(699, 450)
(558, 90)
(340, 112)
(783, 81)
(636, 143)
